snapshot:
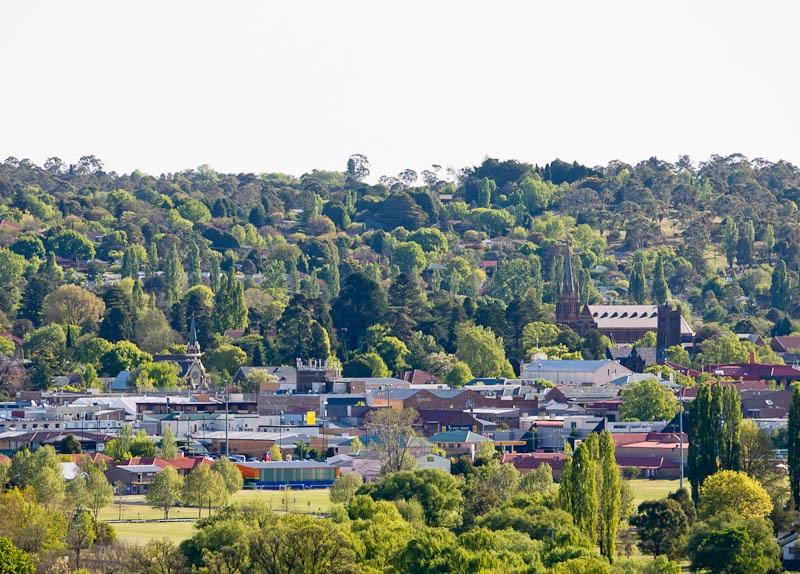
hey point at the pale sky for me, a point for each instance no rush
(291, 86)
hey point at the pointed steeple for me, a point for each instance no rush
(193, 347)
(569, 279)
(568, 298)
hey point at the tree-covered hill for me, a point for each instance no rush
(418, 270)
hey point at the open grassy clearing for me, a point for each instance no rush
(141, 522)
(646, 489)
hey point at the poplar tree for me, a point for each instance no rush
(151, 266)
(781, 288)
(660, 290)
(213, 275)
(730, 445)
(193, 263)
(577, 492)
(794, 446)
(636, 288)
(705, 437)
(730, 239)
(174, 275)
(610, 497)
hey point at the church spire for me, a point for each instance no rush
(193, 348)
(568, 298)
(569, 280)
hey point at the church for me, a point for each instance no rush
(622, 324)
(192, 370)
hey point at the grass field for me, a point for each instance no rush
(141, 522)
(646, 489)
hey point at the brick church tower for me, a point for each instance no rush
(568, 300)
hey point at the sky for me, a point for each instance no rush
(292, 86)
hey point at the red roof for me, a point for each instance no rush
(182, 463)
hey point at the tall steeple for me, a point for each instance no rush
(568, 300)
(193, 347)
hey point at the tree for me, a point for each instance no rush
(202, 487)
(169, 449)
(40, 470)
(165, 490)
(780, 291)
(636, 286)
(483, 352)
(437, 492)
(81, 533)
(730, 443)
(609, 496)
(143, 446)
(662, 527)
(119, 447)
(756, 454)
(361, 303)
(730, 239)
(123, 356)
(162, 376)
(174, 275)
(730, 544)
(648, 400)
(704, 436)
(660, 290)
(29, 525)
(72, 305)
(70, 445)
(394, 430)
(734, 491)
(793, 440)
(230, 473)
(577, 491)
(345, 487)
(93, 492)
(13, 560)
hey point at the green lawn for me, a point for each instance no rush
(646, 489)
(141, 522)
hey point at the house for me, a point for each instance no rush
(134, 478)
(573, 372)
(184, 465)
(790, 553)
(458, 443)
(286, 376)
(785, 344)
(433, 461)
(434, 421)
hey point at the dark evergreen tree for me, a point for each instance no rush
(361, 303)
(117, 324)
(705, 416)
(793, 440)
(780, 291)
(730, 445)
(660, 291)
(636, 287)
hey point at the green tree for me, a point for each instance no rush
(361, 303)
(577, 491)
(165, 490)
(705, 437)
(662, 527)
(730, 239)
(40, 470)
(143, 446)
(13, 560)
(648, 400)
(123, 356)
(162, 375)
(31, 526)
(230, 473)
(344, 488)
(660, 292)
(780, 291)
(730, 443)
(733, 491)
(72, 305)
(119, 447)
(609, 496)
(483, 352)
(90, 490)
(230, 307)
(793, 444)
(169, 449)
(437, 492)
(730, 544)
(81, 533)
(636, 287)
(204, 487)
(769, 241)
(174, 275)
